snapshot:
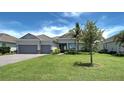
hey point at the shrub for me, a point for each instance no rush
(56, 51)
(13, 52)
(4, 50)
(112, 52)
(119, 54)
(71, 51)
(103, 51)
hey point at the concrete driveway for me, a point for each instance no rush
(8, 59)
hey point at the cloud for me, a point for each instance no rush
(51, 31)
(110, 31)
(48, 28)
(13, 22)
(72, 14)
(62, 21)
(10, 32)
(102, 20)
(103, 17)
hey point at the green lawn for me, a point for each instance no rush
(61, 67)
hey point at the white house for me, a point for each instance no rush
(111, 45)
(8, 41)
(31, 44)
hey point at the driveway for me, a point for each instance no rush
(8, 59)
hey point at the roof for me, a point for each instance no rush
(29, 36)
(7, 38)
(40, 37)
(44, 37)
(67, 35)
(110, 39)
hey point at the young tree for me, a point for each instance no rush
(76, 33)
(91, 36)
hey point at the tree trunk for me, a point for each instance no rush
(77, 45)
(91, 55)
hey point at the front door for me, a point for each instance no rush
(63, 47)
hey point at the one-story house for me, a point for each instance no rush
(8, 41)
(110, 45)
(31, 44)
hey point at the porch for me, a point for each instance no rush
(66, 46)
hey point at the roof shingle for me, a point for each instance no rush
(7, 38)
(44, 37)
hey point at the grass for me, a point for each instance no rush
(66, 67)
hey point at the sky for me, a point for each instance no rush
(58, 23)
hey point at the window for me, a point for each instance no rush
(3, 44)
(72, 46)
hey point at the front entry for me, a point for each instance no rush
(63, 47)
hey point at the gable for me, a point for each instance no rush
(29, 36)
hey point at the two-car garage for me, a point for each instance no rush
(32, 49)
(27, 49)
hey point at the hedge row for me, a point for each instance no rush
(4, 50)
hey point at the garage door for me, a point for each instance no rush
(27, 49)
(46, 49)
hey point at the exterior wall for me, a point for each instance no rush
(11, 44)
(70, 43)
(53, 45)
(29, 42)
(110, 45)
(66, 40)
(73, 45)
(8, 44)
(0, 44)
(101, 46)
(81, 46)
(36, 42)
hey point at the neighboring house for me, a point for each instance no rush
(8, 41)
(31, 44)
(111, 45)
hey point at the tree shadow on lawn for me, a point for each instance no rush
(77, 63)
(81, 64)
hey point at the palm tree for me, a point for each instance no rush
(91, 36)
(76, 33)
(119, 38)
